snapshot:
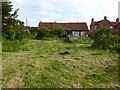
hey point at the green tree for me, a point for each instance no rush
(11, 26)
(58, 31)
(6, 9)
(8, 19)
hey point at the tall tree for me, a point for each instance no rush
(8, 19)
(6, 8)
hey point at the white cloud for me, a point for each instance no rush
(66, 10)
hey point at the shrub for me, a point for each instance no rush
(16, 32)
(58, 31)
(115, 43)
(105, 39)
(43, 33)
(10, 35)
(21, 32)
(49, 33)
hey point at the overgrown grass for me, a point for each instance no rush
(56, 64)
(83, 40)
(12, 45)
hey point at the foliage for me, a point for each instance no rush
(43, 33)
(105, 39)
(6, 8)
(12, 27)
(11, 35)
(21, 32)
(115, 45)
(49, 33)
(58, 31)
(17, 32)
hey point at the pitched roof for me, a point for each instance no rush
(97, 22)
(115, 25)
(66, 26)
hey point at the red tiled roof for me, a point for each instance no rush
(97, 22)
(66, 26)
(111, 23)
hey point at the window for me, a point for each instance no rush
(95, 27)
(82, 33)
(75, 33)
(111, 27)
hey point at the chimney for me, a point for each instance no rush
(92, 20)
(105, 18)
(117, 20)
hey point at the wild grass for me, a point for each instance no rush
(12, 45)
(57, 64)
(83, 40)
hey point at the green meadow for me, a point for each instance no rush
(53, 63)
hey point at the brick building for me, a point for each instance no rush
(74, 29)
(114, 26)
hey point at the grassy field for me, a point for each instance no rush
(58, 64)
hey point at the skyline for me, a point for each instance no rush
(65, 10)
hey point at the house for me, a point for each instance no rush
(114, 26)
(74, 29)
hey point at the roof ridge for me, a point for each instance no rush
(63, 22)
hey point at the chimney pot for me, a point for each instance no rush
(105, 17)
(117, 20)
(92, 20)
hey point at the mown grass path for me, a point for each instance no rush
(56, 64)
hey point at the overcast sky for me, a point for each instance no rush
(65, 10)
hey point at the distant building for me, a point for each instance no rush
(115, 26)
(74, 29)
(31, 29)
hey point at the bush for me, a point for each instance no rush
(115, 45)
(48, 33)
(58, 31)
(10, 35)
(17, 32)
(21, 32)
(105, 39)
(43, 33)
